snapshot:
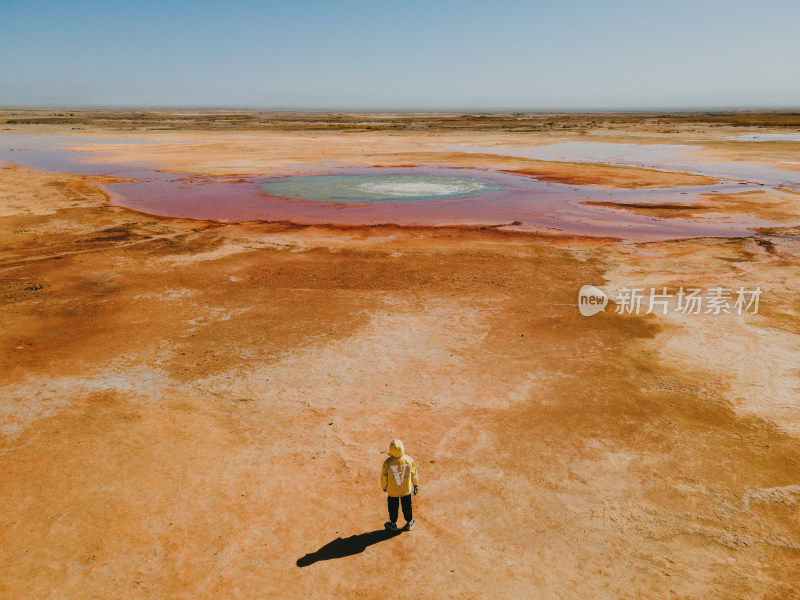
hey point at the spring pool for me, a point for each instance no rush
(422, 195)
(380, 187)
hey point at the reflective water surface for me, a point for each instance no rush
(673, 157)
(767, 137)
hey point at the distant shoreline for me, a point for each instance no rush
(386, 120)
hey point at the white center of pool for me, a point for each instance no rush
(419, 188)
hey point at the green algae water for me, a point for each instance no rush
(379, 188)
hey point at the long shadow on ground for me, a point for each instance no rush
(341, 547)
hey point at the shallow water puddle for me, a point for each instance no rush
(673, 157)
(767, 137)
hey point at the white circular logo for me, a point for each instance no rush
(591, 300)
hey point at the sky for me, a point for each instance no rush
(344, 54)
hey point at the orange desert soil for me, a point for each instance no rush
(194, 410)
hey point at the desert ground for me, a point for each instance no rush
(200, 409)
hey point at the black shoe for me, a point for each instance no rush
(409, 525)
(391, 526)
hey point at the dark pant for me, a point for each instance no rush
(406, 502)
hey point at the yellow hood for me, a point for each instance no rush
(396, 448)
(399, 473)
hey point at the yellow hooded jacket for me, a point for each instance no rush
(399, 474)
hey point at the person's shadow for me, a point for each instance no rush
(341, 547)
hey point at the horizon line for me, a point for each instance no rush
(409, 109)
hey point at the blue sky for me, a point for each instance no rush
(564, 54)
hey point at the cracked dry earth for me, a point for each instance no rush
(189, 408)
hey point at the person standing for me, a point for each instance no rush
(398, 475)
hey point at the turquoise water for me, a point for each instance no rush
(379, 187)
